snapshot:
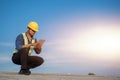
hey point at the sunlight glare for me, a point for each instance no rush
(100, 42)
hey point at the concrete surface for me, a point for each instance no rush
(42, 76)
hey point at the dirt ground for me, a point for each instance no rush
(42, 76)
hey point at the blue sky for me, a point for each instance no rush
(81, 36)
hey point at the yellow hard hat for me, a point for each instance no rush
(33, 25)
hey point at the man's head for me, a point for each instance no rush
(33, 25)
(32, 28)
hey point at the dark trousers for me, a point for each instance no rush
(26, 62)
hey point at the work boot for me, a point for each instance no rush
(25, 72)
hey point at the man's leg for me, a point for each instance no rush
(24, 60)
(34, 61)
(21, 58)
(16, 59)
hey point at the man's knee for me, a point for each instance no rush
(40, 61)
(37, 62)
(16, 59)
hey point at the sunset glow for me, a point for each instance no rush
(102, 42)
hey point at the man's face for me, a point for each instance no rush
(31, 32)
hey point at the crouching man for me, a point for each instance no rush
(25, 44)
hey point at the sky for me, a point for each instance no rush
(81, 36)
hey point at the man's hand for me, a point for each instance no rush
(39, 45)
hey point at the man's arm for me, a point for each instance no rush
(19, 42)
(37, 50)
(28, 45)
(37, 46)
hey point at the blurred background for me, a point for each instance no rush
(81, 36)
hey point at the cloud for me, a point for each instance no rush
(6, 44)
(4, 59)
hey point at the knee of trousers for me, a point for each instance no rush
(40, 61)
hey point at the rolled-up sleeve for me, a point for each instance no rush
(19, 42)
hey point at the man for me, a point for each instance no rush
(25, 44)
